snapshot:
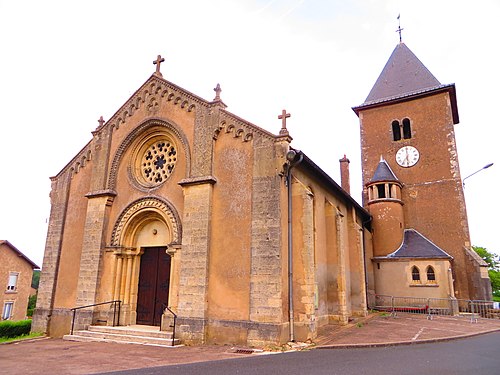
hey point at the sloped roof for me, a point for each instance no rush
(415, 245)
(19, 253)
(403, 73)
(404, 77)
(383, 173)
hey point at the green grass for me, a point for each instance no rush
(23, 337)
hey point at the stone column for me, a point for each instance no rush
(306, 321)
(266, 274)
(342, 276)
(48, 277)
(92, 253)
(193, 281)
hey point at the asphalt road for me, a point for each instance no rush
(471, 356)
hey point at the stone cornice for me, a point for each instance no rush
(198, 181)
(101, 193)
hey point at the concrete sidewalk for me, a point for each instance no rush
(55, 356)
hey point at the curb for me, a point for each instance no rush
(25, 340)
(406, 342)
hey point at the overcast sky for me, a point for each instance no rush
(65, 63)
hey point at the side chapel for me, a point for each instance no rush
(176, 202)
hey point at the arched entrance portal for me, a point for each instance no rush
(145, 237)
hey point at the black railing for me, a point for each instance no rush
(116, 316)
(165, 307)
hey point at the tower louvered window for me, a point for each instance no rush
(406, 129)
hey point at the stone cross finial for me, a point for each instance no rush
(101, 122)
(283, 117)
(217, 92)
(157, 62)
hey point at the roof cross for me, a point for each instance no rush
(217, 92)
(101, 122)
(399, 29)
(283, 117)
(157, 62)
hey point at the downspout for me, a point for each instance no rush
(293, 158)
(366, 222)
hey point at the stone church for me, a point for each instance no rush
(178, 205)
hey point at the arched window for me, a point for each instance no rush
(431, 275)
(415, 274)
(406, 129)
(396, 130)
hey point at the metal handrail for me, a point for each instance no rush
(115, 302)
(165, 307)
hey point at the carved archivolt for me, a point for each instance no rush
(143, 207)
(244, 134)
(171, 130)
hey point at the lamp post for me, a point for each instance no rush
(479, 170)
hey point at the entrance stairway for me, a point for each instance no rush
(134, 334)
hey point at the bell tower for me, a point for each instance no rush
(408, 118)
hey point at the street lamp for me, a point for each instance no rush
(479, 170)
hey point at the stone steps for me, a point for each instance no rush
(125, 334)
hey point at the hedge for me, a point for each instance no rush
(10, 328)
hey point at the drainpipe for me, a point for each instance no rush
(293, 158)
(366, 222)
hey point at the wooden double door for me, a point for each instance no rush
(154, 285)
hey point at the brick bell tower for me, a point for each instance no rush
(408, 118)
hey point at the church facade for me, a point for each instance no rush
(176, 204)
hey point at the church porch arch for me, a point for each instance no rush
(144, 240)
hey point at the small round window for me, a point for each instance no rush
(155, 160)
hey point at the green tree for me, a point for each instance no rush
(493, 262)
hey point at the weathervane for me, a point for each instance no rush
(399, 29)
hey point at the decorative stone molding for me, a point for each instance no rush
(78, 162)
(147, 204)
(234, 122)
(132, 139)
(153, 94)
(243, 133)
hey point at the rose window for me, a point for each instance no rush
(158, 162)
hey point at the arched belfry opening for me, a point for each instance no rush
(145, 239)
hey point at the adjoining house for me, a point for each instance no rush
(16, 273)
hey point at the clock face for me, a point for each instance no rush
(407, 156)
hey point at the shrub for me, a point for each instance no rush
(14, 329)
(31, 306)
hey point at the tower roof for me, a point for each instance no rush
(415, 245)
(403, 74)
(404, 77)
(383, 173)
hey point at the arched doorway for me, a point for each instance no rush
(146, 236)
